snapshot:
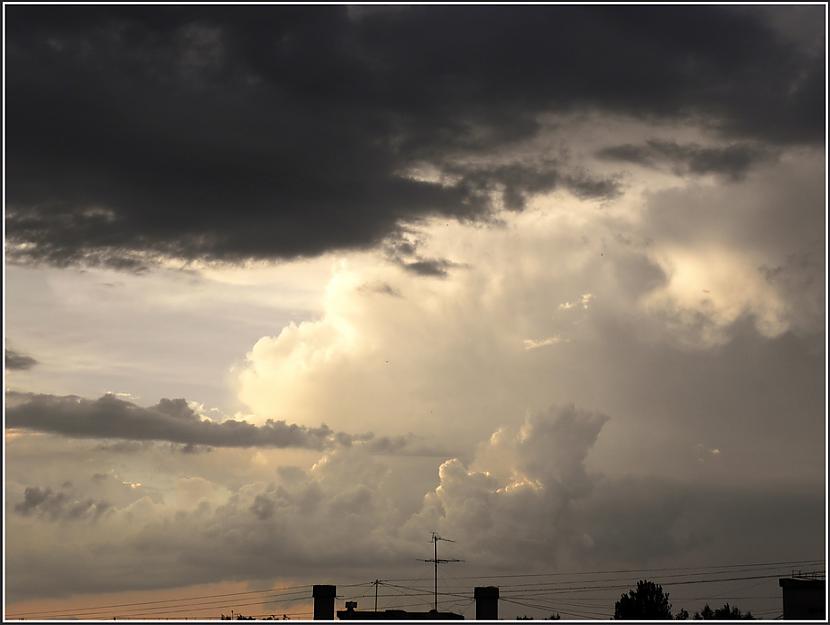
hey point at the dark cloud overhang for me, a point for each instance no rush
(731, 161)
(174, 421)
(15, 361)
(170, 420)
(272, 132)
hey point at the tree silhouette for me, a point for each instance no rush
(726, 613)
(647, 601)
(683, 615)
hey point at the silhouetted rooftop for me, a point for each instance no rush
(396, 615)
(801, 582)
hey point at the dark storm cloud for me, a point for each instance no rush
(57, 506)
(434, 267)
(16, 361)
(272, 132)
(169, 420)
(731, 161)
(172, 420)
(516, 182)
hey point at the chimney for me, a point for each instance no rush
(323, 602)
(487, 603)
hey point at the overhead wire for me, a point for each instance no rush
(560, 589)
(538, 589)
(600, 572)
(540, 607)
(89, 609)
(121, 605)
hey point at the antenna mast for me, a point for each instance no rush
(436, 561)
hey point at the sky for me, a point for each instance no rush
(289, 288)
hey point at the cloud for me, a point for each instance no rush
(742, 254)
(169, 420)
(404, 445)
(214, 133)
(527, 500)
(583, 302)
(435, 267)
(16, 361)
(512, 503)
(402, 249)
(731, 161)
(59, 506)
(381, 288)
(683, 298)
(174, 420)
(515, 182)
(537, 343)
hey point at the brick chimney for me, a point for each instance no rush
(323, 602)
(487, 603)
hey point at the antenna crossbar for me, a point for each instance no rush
(435, 560)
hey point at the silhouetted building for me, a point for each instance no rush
(323, 602)
(804, 598)
(487, 603)
(351, 613)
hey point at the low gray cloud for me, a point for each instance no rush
(405, 445)
(528, 502)
(731, 161)
(169, 420)
(59, 506)
(403, 250)
(434, 267)
(15, 361)
(173, 421)
(515, 183)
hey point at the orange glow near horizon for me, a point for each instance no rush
(202, 601)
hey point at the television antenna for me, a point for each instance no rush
(436, 561)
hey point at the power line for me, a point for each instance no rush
(159, 610)
(656, 579)
(122, 605)
(448, 594)
(283, 614)
(195, 608)
(541, 607)
(558, 590)
(422, 603)
(644, 570)
(559, 585)
(540, 589)
(89, 609)
(270, 598)
(220, 603)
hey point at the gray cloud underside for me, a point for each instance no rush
(272, 132)
(172, 420)
(341, 520)
(404, 251)
(58, 506)
(16, 361)
(169, 420)
(732, 161)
